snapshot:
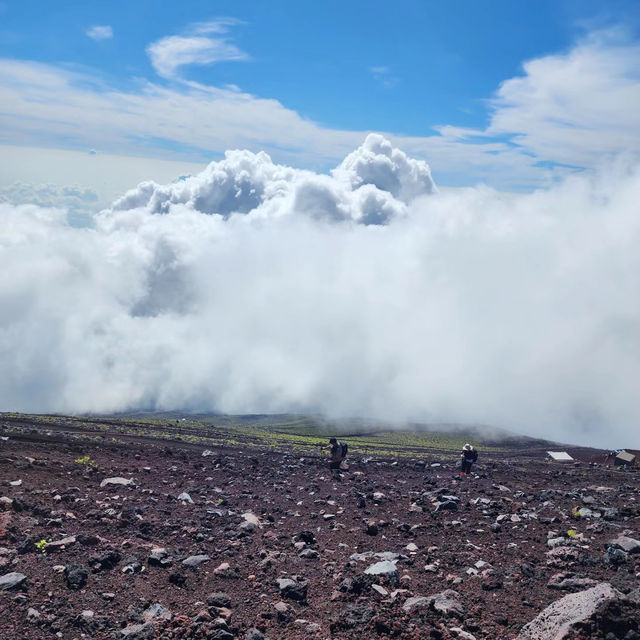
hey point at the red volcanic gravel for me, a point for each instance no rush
(272, 544)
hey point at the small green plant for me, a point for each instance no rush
(42, 545)
(571, 533)
(85, 460)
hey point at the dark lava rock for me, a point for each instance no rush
(28, 545)
(159, 558)
(353, 615)
(76, 576)
(219, 599)
(177, 578)
(195, 561)
(358, 585)
(448, 505)
(307, 537)
(292, 590)
(105, 561)
(615, 556)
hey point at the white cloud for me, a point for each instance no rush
(570, 109)
(384, 76)
(46, 105)
(372, 185)
(197, 47)
(467, 305)
(100, 32)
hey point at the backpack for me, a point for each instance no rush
(345, 448)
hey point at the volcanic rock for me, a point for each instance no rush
(11, 580)
(562, 619)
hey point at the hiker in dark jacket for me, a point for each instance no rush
(338, 452)
(468, 456)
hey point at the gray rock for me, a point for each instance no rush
(629, 545)
(59, 545)
(219, 599)
(615, 556)
(385, 568)
(138, 632)
(309, 554)
(253, 634)
(185, 497)
(11, 580)
(125, 482)
(33, 615)
(195, 561)
(159, 558)
(567, 582)
(447, 602)
(292, 590)
(561, 619)
(416, 602)
(156, 612)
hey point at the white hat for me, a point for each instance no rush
(467, 447)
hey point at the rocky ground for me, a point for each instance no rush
(152, 539)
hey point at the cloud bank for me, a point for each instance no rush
(256, 287)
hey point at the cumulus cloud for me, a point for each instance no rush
(371, 186)
(198, 46)
(100, 32)
(255, 287)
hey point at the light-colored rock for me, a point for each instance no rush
(385, 568)
(124, 482)
(185, 497)
(558, 621)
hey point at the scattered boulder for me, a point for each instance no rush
(563, 618)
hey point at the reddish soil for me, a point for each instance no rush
(59, 497)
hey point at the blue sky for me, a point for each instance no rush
(310, 79)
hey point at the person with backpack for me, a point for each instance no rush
(338, 452)
(468, 456)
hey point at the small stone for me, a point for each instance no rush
(195, 561)
(125, 482)
(33, 615)
(185, 497)
(76, 576)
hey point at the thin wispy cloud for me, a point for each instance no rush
(100, 32)
(383, 76)
(202, 44)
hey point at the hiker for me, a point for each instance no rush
(338, 452)
(468, 456)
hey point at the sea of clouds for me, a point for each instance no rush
(254, 287)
